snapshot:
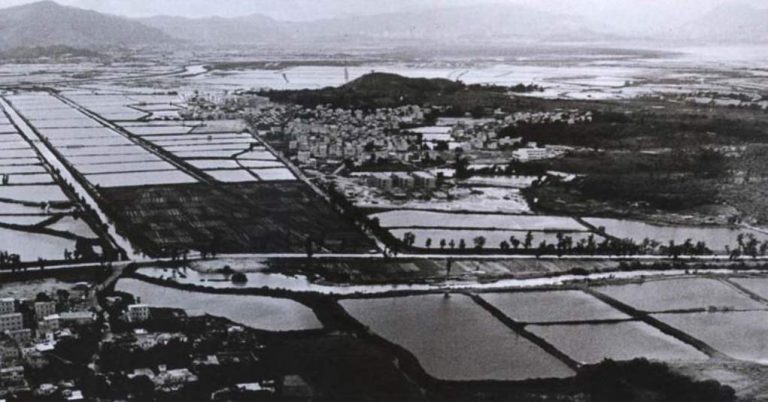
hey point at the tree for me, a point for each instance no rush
(409, 239)
(462, 244)
(528, 240)
(239, 278)
(504, 245)
(479, 242)
(428, 243)
(515, 242)
(442, 244)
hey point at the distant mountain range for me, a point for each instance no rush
(47, 23)
(484, 22)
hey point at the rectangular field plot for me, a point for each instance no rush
(281, 174)
(455, 339)
(244, 141)
(11, 145)
(99, 159)
(31, 246)
(34, 178)
(493, 237)
(214, 164)
(758, 286)
(17, 153)
(257, 155)
(206, 147)
(428, 219)
(259, 312)
(680, 294)
(53, 114)
(552, 306)
(19, 209)
(83, 122)
(104, 150)
(135, 179)
(716, 238)
(201, 137)
(261, 164)
(164, 114)
(25, 220)
(158, 130)
(592, 343)
(15, 169)
(41, 193)
(741, 335)
(125, 167)
(232, 176)
(220, 126)
(19, 161)
(207, 154)
(127, 114)
(112, 140)
(237, 218)
(71, 133)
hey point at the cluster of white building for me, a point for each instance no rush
(387, 181)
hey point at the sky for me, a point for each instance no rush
(629, 15)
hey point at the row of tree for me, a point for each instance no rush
(748, 245)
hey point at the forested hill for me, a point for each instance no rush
(377, 90)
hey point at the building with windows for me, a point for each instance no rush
(44, 309)
(138, 312)
(7, 305)
(11, 322)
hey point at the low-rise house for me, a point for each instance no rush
(22, 335)
(77, 317)
(12, 377)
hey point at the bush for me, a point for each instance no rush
(239, 277)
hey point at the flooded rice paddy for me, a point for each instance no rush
(264, 313)
(716, 238)
(680, 294)
(552, 306)
(455, 339)
(592, 343)
(742, 335)
(426, 219)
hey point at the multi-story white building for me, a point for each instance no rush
(47, 325)
(11, 322)
(7, 305)
(138, 312)
(44, 309)
(425, 181)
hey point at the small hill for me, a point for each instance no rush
(372, 91)
(47, 23)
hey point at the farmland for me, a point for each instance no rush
(40, 219)
(171, 185)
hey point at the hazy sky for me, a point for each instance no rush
(628, 14)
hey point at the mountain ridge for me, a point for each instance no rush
(56, 24)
